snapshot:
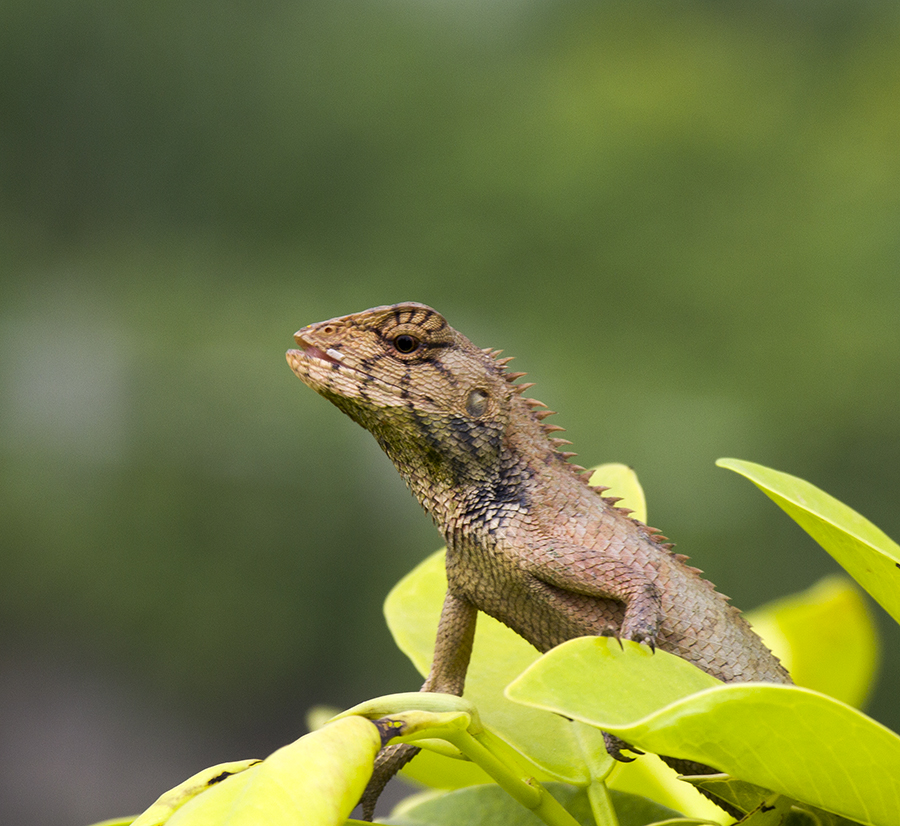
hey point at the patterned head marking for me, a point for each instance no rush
(403, 356)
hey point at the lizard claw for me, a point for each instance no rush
(615, 746)
(609, 631)
(646, 638)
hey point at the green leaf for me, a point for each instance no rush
(651, 682)
(634, 810)
(412, 610)
(439, 772)
(764, 805)
(474, 806)
(774, 811)
(650, 777)
(869, 555)
(825, 637)
(739, 793)
(789, 739)
(314, 781)
(636, 681)
(489, 805)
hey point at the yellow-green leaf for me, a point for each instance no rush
(869, 555)
(314, 781)
(161, 811)
(651, 680)
(490, 806)
(622, 481)
(825, 637)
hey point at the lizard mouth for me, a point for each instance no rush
(309, 351)
(308, 357)
(329, 369)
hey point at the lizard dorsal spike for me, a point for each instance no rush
(553, 428)
(503, 361)
(557, 442)
(543, 414)
(511, 377)
(521, 388)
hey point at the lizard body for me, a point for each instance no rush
(529, 541)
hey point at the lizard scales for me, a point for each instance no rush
(529, 541)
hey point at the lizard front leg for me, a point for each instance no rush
(580, 570)
(452, 651)
(574, 569)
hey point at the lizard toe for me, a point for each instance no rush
(643, 631)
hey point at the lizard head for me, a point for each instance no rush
(437, 404)
(403, 357)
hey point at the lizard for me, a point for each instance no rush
(529, 541)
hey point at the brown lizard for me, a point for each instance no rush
(529, 541)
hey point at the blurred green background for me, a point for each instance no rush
(683, 219)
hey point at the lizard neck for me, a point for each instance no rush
(473, 477)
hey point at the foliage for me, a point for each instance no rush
(532, 724)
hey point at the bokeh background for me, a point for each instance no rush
(683, 219)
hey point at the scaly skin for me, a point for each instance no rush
(528, 540)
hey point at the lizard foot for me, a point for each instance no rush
(644, 638)
(642, 630)
(643, 616)
(615, 747)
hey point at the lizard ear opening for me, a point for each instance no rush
(477, 402)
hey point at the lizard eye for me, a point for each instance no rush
(477, 403)
(406, 343)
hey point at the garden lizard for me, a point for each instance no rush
(529, 541)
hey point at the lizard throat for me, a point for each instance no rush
(462, 472)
